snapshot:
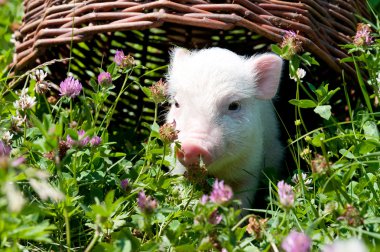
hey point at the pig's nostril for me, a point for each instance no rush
(191, 154)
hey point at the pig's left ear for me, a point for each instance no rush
(267, 70)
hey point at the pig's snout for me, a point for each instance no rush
(192, 153)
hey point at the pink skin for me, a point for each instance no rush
(191, 153)
(222, 109)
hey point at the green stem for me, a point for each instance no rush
(241, 221)
(163, 227)
(71, 110)
(147, 148)
(163, 155)
(296, 219)
(363, 86)
(190, 198)
(25, 132)
(93, 241)
(97, 111)
(112, 110)
(67, 222)
(47, 104)
(283, 218)
(59, 103)
(370, 185)
(150, 135)
(162, 161)
(98, 104)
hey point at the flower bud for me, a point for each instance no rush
(168, 133)
(146, 204)
(294, 44)
(104, 79)
(158, 91)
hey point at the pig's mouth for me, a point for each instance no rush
(197, 165)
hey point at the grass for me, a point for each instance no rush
(61, 190)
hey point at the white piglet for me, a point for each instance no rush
(221, 103)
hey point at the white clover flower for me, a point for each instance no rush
(42, 175)
(306, 182)
(15, 198)
(7, 137)
(46, 191)
(351, 245)
(330, 207)
(13, 39)
(25, 102)
(300, 73)
(295, 179)
(41, 86)
(305, 153)
(39, 75)
(18, 120)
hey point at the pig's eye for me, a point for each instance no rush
(176, 104)
(234, 106)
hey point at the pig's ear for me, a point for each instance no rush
(178, 53)
(267, 70)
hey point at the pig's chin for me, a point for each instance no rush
(228, 168)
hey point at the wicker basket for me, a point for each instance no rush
(322, 24)
(148, 29)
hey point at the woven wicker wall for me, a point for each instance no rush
(148, 29)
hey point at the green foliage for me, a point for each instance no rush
(67, 191)
(11, 12)
(375, 5)
(342, 158)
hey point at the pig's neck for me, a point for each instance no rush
(244, 180)
(239, 171)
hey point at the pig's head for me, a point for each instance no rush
(217, 104)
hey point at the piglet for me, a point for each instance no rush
(221, 103)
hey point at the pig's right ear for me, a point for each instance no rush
(178, 53)
(267, 69)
